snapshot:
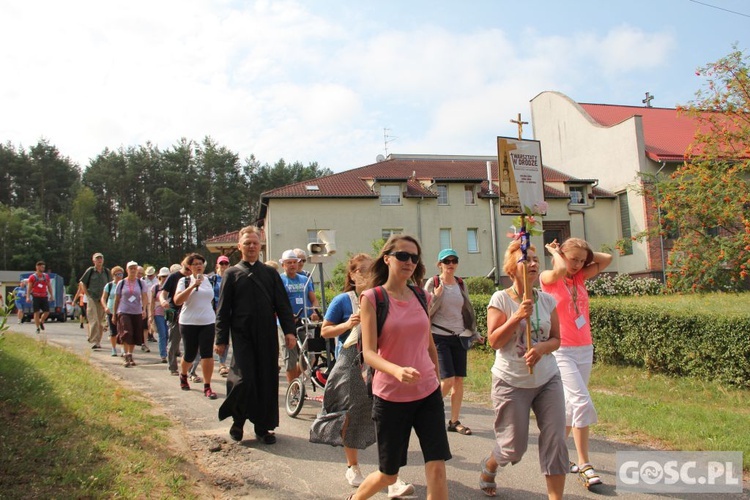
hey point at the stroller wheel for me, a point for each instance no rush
(295, 396)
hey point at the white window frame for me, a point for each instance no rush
(445, 240)
(387, 232)
(388, 196)
(472, 240)
(468, 188)
(442, 192)
(577, 195)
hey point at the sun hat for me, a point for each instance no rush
(288, 255)
(164, 271)
(447, 252)
(131, 264)
(150, 271)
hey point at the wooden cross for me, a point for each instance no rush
(648, 99)
(520, 126)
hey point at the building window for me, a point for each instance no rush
(442, 192)
(390, 194)
(577, 195)
(388, 232)
(472, 240)
(627, 247)
(445, 238)
(469, 195)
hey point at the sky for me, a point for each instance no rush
(338, 82)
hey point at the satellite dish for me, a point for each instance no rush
(379, 158)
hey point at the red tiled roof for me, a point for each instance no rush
(399, 168)
(232, 237)
(667, 132)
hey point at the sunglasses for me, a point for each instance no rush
(449, 260)
(118, 274)
(223, 263)
(404, 256)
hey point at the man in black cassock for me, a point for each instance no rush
(251, 297)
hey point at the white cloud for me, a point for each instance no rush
(285, 79)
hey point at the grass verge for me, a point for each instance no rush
(68, 430)
(657, 411)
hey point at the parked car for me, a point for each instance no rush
(70, 308)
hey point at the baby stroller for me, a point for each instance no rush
(316, 362)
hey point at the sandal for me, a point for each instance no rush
(223, 371)
(589, 477)
(488, 488)
(457, 426)
(196, 379)
(574, 468)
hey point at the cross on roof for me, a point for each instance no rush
(648, 99)
(520, 124)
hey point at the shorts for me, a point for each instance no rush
(198, 338)
(451, 356)
(40, 304)
(291, 357)
(393, 424)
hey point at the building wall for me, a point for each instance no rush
(574, 143)
(359, 222)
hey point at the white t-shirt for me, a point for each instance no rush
(510, 364)
(198, 309)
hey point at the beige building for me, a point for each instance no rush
(621, 146)
(443, 200)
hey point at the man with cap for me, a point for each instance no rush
(150, 281)
(302, 299)
(93, 282)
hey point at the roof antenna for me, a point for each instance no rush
(386, 139)
(648, 99)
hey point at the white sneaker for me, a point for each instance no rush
(354, 475)
(400, 489)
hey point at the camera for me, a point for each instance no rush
(199, 277)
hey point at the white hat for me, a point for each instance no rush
(131, 264)
(164, 271)
(288, 255)
(150, 271)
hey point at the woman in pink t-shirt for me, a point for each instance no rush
(573, 263)
(406, 384)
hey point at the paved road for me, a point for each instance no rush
(295, 468)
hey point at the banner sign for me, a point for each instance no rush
(520, 174)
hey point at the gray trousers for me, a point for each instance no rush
(173, 345)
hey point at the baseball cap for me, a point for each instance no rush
(222, 258)
(164, 271)
(288, 255)
(447, 252)
(97, 254)
(150, 271)
(131, 264)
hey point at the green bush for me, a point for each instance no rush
(623, 284)
(684, 342)
(480, 285)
